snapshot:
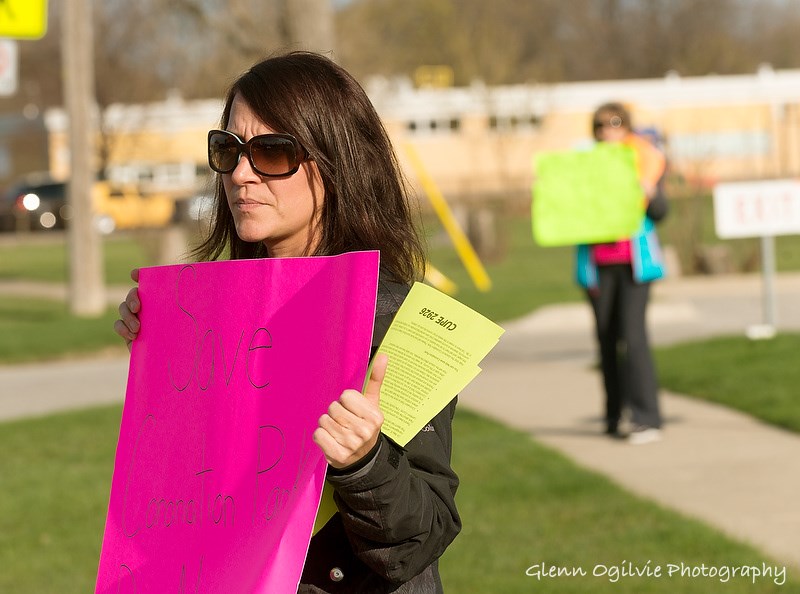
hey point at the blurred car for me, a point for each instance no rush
(39, 203)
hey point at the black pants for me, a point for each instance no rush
(629, 374)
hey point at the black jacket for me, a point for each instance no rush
(397, 514)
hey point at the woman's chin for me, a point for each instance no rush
(250, 233)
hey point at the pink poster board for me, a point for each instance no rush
(217, 480)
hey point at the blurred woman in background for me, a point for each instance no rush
(617, 277)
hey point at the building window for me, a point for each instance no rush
(514, 122)
(434, 126)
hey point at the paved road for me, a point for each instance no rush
(725, 468)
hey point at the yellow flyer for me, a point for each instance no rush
(434, 346)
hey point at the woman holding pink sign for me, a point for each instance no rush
(305, 168)
(617, 277)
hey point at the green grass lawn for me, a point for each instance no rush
(37, 329)
(56, 475)
(760, 378)
(522, 505)
(45, 259)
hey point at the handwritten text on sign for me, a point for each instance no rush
(757, 209)
(217, 480)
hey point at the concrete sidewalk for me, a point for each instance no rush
(738, 475)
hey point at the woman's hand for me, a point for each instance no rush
(128, 324)
(352, 425)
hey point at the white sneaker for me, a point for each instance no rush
(643, 434)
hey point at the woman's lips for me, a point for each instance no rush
(246, 205)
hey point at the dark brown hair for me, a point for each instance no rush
(366, 204)
(609, 110)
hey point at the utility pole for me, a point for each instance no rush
(86, 284)
(309, 25)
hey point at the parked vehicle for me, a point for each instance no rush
(35, 203)
(39, 203)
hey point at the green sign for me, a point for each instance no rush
(23, 19)
(586, 196)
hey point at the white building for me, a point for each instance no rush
(479, 141)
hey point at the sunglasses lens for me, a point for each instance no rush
(273, 155)
(223, 152)
(270, 155)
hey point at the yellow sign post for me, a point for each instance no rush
(463, 247)
(23, 19)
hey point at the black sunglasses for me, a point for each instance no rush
(270, 155)
(612, 122)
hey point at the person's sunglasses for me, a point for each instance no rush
(270, 155)
(612, 122)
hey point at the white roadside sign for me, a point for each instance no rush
(757, 209)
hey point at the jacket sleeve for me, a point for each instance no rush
(401, 515)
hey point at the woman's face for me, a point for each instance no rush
(281, 212)
(610, 128)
